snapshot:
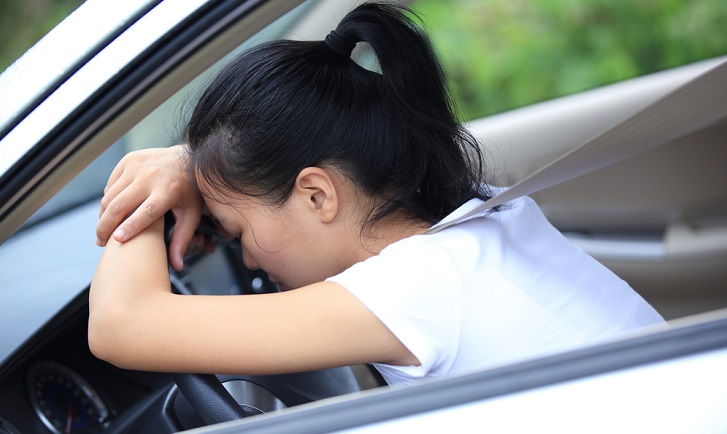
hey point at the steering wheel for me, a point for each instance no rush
(210, 399)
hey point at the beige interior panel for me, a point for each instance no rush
(682, 182)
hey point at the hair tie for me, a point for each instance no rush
(339, 45)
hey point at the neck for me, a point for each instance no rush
(389, 230)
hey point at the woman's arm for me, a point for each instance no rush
(136, 322)
(129, 279)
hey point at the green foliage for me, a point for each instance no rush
(24, 22)
(504, 54)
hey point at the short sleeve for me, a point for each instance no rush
(411, 287)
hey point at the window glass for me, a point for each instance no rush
(503, 54)
(24, 22)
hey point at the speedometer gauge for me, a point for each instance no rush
(64, 401)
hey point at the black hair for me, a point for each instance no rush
(286, 105)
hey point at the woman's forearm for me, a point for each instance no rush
(130, 277)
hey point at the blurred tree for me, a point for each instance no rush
(504, 54)
(24, 22)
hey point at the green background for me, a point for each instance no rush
(24, 22)
(504, 54)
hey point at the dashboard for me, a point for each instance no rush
(58, 386)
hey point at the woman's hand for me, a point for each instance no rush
(143, 186)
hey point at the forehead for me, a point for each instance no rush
(213, 193)
(217, 202)
(225, 205)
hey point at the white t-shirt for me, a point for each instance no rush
(495, 289)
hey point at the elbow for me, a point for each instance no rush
(104, 312)
(107, 338)
(118, 333)
(119, 325)
(101, 338)
(96, 343)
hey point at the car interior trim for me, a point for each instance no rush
(698, 104)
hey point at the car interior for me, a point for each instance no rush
(658, 220)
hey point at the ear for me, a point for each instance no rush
(316, 189)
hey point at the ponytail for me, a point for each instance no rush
(287, 105)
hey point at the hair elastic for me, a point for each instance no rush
(339, 45)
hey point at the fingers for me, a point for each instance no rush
(116, 205)
(142, 187)
(132, 202)
(118, 201)
(117, 182)
(144, 216)
(115, 175)
(130, 212)
(186, 223)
